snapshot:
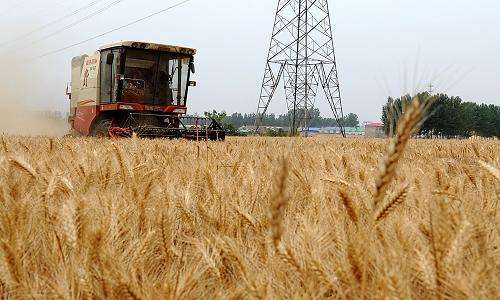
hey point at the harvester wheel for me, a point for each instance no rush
(101, 129)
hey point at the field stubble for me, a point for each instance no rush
(248, 218)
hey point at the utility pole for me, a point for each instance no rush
(431, 88)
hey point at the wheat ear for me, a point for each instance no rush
(11, 261)
(393, 204)
(165, 234)
(279, 205)
(127, 292)
(23, 166)
(349, 206)
(4, 145)
(406, 127)
(491, 169)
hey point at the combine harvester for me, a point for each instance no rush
(135, 88)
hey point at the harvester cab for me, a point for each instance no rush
(137, 88)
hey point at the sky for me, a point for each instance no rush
(383, 48)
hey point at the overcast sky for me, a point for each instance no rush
(383, 47)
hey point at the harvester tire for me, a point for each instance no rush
(101, 128)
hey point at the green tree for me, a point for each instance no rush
(236, 120)
(469, 118)
(219, 117)
(351, 120)
(447, 117)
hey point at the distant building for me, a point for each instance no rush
(262, 129)
(374, 129)
(247, 129)
(351, 131)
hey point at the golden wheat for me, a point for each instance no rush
(249, 218)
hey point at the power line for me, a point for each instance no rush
(30, 33)
(113, 30)
(87, 17)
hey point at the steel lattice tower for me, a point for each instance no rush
(302, 54)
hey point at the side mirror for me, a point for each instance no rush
(68, 90)
(110, 58)
(192, 68)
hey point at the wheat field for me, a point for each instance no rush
(248, 218)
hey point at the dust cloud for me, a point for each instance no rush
(23, 109)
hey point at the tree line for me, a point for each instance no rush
(238, 120)
(447, 117)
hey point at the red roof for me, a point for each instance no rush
(374, 124)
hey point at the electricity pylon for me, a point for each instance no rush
(301, 53)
